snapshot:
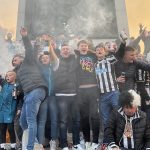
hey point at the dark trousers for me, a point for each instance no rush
(3, 129)
(144, 97)
(66, 105)
(17, 128)
(88, 99)
(48, 116)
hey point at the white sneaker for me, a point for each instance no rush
(82, 143)
(7, 146)
(13, 145)
(25, 139)
(65, 148)
(38, 146)
(88, 145)
(94, 146)
(52, 145)
(2, 145)
(78, 147)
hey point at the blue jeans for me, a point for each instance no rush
(42, 117)
(108, 102)
(53, 116)
(48, 110)
(66, 105)
(28, 118)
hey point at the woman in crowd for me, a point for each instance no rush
(48, 108)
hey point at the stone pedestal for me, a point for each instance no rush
(97, 19)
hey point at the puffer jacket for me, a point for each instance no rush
(29, 74)
(141, 130)
(65, 77)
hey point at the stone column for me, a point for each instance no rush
(121, 16)
(21, 17)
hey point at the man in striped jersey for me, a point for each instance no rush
(106, 79)
(128, 127)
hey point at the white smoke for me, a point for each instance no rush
(84, 18)
(5, 57)
(92, 17)
(7, 52)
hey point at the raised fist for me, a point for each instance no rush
(23, 32)
(141, 26)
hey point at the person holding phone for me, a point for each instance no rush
(128, 64)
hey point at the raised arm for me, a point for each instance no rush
(135, 42)
(29, 53)
(53, 55)
(120, 53)
(2, 81)
(141, 27)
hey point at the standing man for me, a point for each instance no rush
(66, 97)
(88, 97)
(34, 88)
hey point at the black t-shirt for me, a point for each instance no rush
(85, 71)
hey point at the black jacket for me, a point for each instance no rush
(130, 70)
(29, 73)
(65, 76)
(141, 130)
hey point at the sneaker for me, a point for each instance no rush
(94, 146)
(25, 139)
(18, 146)
(7, 146)
(52, 145)
(2, 145)
(88, 145)
(82, 143)
(13, 145)
(38, 146)
(78, 147)
(65, 148)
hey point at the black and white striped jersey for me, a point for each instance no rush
(127, 140)
(105, 74)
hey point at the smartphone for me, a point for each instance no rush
(46, 43)
(46, 49)
(123, 36)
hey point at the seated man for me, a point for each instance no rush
(128, 128)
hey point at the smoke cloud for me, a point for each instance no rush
(7, 51)
(84, 18)
(5, 57)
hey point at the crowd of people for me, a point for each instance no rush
(99, 93)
